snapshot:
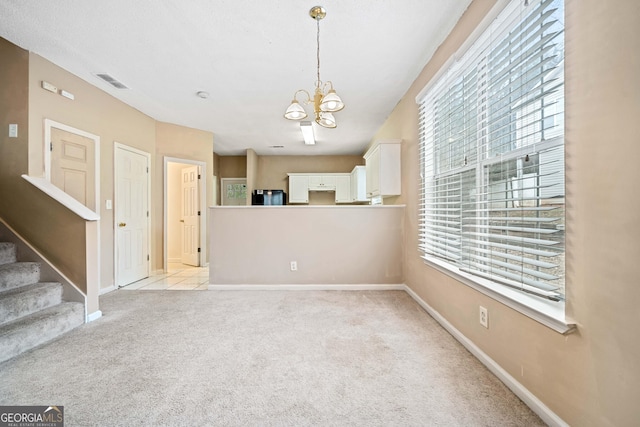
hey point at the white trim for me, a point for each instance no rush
(299, 287)
(63, 198)
(107, 290)
(536, 405)
(120, 146)
(549, 313)
(93, 316)
(202, 184)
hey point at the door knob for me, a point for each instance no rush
(122, 224)
(182, 220)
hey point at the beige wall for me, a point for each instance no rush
(332, 245)
(45, 222)
(38, 218)
(232, 167)
(592, 377)
(96, 112)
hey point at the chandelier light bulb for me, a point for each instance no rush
(331, 102)
(326, 120)
(295, 111)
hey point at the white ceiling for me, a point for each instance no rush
(250, 55)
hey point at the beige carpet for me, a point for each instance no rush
(237, 358)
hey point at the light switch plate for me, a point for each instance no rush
(13, 130)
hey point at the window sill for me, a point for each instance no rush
(549, 313)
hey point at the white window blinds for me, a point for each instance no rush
(492, 154)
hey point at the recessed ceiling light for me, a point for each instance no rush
(202, 94)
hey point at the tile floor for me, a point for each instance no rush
(179, 277)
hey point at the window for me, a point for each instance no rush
(492, 155)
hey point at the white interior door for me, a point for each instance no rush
(131, 215)
(190, 216)
(73, 164)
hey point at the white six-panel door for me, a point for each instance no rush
(131, 215)
(190, 216)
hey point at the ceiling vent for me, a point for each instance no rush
(111, 80)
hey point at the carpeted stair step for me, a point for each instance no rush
(18, 274)
(25, 300)
(7, 253)
(38, 328)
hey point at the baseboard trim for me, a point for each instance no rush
(542, 410)
(94, 316)
(107, 290)
(298, 287)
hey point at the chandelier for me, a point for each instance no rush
(324, 103)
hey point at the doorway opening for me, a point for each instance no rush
(184, 213)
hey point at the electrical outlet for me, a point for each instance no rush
(294, 266)
(484, 317)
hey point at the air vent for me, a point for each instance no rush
(276, 146)
(111, 80)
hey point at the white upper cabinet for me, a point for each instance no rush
(343, 188)
(298, 189)
(322, 183)
(359, 184)
(300, 184)
(383, 169)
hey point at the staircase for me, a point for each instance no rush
(31, 312)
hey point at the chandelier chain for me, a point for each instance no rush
(325, 100)
(318, 50)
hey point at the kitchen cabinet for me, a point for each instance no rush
(300, 184)
(382, 162)
(322, 183)
(343, 188)
(359, 184)
(298, 189)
